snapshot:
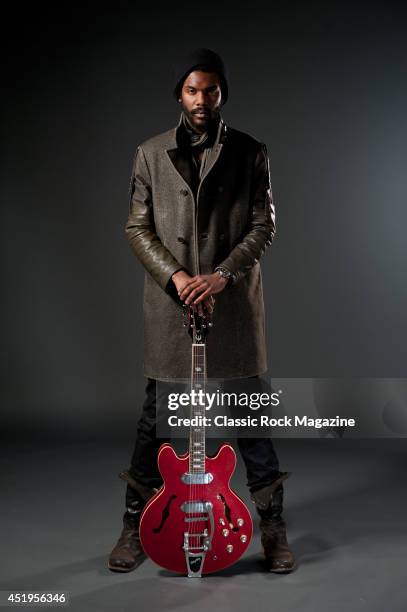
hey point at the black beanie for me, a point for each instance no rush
(200, 59)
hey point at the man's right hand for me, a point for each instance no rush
(180, 280)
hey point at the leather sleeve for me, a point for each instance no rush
(261, 227)
(140, 228)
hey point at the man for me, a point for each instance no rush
(200, 217)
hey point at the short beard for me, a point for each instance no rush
(203, 127)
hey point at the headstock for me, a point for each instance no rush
(197, 325)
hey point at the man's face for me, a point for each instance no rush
(201, 98)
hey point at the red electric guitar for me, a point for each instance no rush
(195, 524)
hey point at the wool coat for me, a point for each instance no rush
(229, 220)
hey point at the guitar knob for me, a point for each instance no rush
(221, 521)
(240, 522)
(225, 532)
(243, 538)
(229, 548)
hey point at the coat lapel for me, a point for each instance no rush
(182, 164)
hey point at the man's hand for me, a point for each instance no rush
(181, 280)
(197, 289)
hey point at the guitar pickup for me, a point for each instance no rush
(188, 478)
(198, 507)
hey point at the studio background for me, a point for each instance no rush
(323, 85)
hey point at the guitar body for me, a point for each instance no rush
(195, 528)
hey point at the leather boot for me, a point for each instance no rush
(128, 553)
(269, 503)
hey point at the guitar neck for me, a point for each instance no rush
(197, 431)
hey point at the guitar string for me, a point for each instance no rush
(191, 457)
(193, 467)
(197, 440)
(191, 437)
(197, 463)
(197, 492)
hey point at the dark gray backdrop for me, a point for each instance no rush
(322, 84)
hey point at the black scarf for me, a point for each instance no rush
(200, 142)
(204, 140)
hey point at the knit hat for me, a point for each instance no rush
(200, 59)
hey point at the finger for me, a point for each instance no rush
(185, 292)
(193, 279)
(194, 293)
(189, 282)
(201, 297)
(188, 288)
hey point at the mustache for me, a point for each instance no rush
(201, 110)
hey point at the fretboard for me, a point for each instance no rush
(197, 432)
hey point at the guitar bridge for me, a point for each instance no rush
(196, 545)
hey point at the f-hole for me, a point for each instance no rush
(227, 512)
(165, 515)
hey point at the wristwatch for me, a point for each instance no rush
(225, 273)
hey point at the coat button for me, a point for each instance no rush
(221, 236)
(182, 240)
(220, 188)
(184, 192)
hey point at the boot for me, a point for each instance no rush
(128, 553)
(269, 504)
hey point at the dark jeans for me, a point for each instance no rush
(259, 455)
